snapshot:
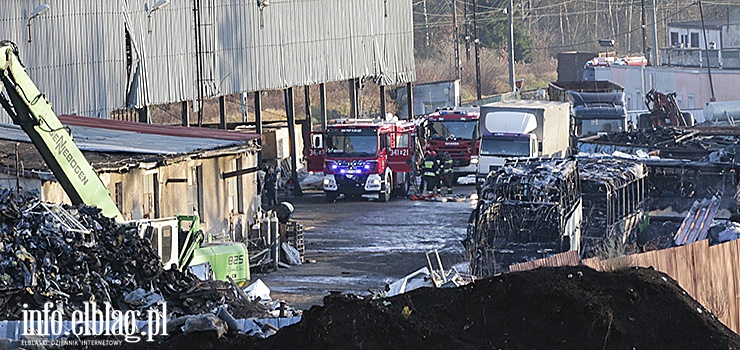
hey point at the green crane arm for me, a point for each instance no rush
(29, 109)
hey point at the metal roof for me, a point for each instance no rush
(532, 104)
(78, 53)
(119, 136)
(713, 24)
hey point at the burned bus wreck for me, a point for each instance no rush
(614, 193)
(529, 209)
(534, 208)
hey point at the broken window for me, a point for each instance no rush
(118, 193)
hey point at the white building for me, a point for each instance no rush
(685, 67)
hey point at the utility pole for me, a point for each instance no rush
(467, 32)
(426, 22)
(644, 36)
(511, 46)
(477, 50)
(656, 53)
(457, 39)
(706, 49)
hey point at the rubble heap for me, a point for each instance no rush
(654, 137)
(47, 256)
(669, 142)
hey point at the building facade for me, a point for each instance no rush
(93, 57)
(157, 172)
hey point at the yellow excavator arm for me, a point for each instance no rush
(29, 109)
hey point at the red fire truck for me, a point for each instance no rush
(364, 157)
(455, 130)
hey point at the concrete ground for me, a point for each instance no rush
(356, 245)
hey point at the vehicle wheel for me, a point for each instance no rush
(331, 197)
(385, 196)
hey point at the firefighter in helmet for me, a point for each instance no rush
(447, 172)
(440, 171)
(429, 171)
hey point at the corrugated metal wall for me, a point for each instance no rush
(78, 53)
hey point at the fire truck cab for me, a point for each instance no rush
(367, 158)
(455, 130)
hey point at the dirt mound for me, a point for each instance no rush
(548, 308)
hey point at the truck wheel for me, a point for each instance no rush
(331, 197)
(385, 196)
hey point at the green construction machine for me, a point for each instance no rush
(178, 240)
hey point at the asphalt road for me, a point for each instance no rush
(360, 245)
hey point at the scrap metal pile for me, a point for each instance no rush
(654, 136)
(522, 212)
(667, 142)
(69, 256)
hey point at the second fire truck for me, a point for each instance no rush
(455, 130)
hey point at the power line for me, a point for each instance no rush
(665, 18)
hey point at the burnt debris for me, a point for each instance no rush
(666, 142)
(524, 213)
(614, 193)
(71, 255)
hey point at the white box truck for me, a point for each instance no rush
(521, 128)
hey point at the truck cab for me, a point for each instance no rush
(511, 135)
(495, 148)
(521, 129)
(597, 113)
(368, 158)
(455, 130)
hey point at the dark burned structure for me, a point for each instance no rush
(675, 185)
(693, 144)
(614, 193)
(533, 208)
(530, 209)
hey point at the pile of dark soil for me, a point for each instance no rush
(548, 308)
